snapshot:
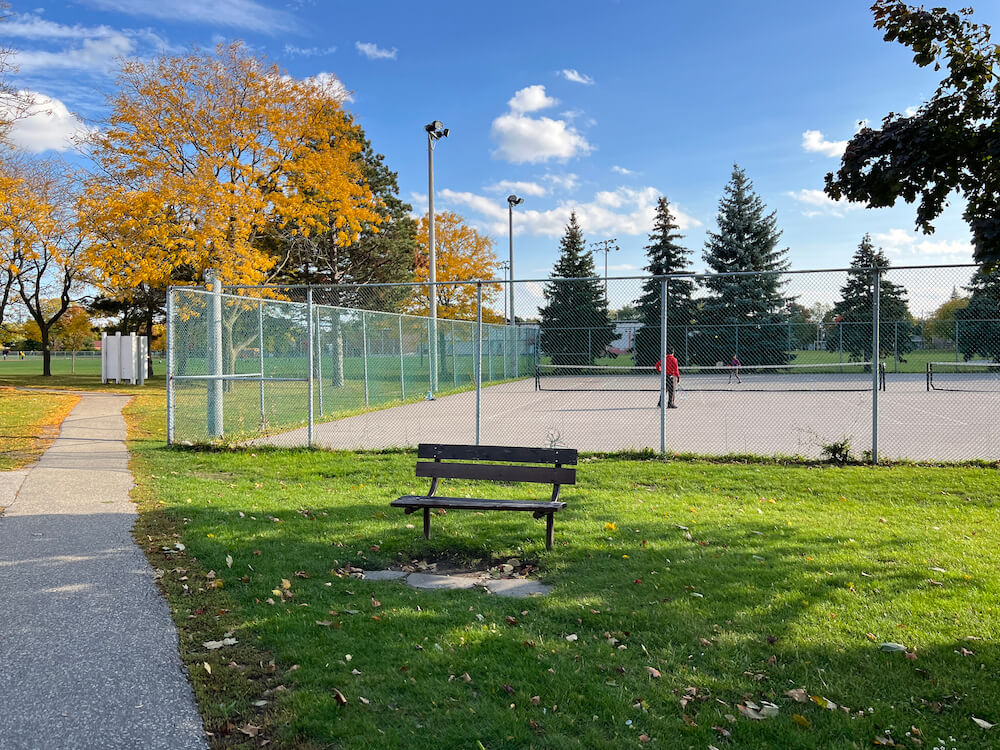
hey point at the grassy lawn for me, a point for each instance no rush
(87, 377)
(731, 582)
(29, 422)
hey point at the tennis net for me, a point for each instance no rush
(974, 377)
(847, 376)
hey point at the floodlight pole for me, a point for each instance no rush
(503, 266)
(605, 246)
(435, 131)
(513, 200)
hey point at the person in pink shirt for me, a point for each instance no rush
(669, 364)
(734, 369)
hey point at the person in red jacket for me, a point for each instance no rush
(669, 363)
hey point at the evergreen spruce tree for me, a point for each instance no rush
(977, 327)
(666, 257)
(574, 323)
(854, 311)
(741, 315)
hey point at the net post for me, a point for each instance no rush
(876, 289)
(309, 362)
(928, 374)
(479, 359)
(170, 365)
(663, 367)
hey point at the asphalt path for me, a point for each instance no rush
(88, 652)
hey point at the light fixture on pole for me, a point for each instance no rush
(512, 200)
(435, 131)
(605, 246)
(503, 266)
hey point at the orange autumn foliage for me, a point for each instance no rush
(203, 153)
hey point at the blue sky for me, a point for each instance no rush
(600, 106)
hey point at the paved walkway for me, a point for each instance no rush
(88, 652)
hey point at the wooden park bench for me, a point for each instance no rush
(511, 470)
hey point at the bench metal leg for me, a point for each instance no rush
(548, 531)
(427, 523)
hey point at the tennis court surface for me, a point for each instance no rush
(914, 423)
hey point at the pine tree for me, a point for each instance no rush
(574, 323)
(978, 325)
(854, 311)
(742, 315)
(666, 257)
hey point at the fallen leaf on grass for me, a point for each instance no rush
(510, 620)
(723, 732)
(508, 689)
(766, 710)
(689, 721)
(212, 645)
(208, 667)
(823, 702)
(798, 694)
(339, 697)
(465, 677)
(645, 738)
(883, 741)
(892, 647)
(250, 730)
(801, 720)
(653, 672)
(571, 637)
(364, 700)
(324, 623)
(229, 561)
(965, 652)
(982, 723)
(286, 584)
(535, 700)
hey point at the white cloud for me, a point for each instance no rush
(622, 267)
(565, 182)
(531, 99)
(625, 211)
(571, 74)
(522, 139)
(89, 49)
(910, 111)
(621, 170)
(517, 187)
(373, 52)
(820, 204)
(49, 125)
(907, 247)
(571, 114)
(292, 50)
(490, 207)
(331, 85)
(813, 140)
(241, 14)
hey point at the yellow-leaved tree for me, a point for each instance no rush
(201, 154)
(462, 254)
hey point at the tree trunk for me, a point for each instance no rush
(73, 362)
(46, 354)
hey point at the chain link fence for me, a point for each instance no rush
(863, 363)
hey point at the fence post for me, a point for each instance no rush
(215, 412)
(663, 367)
(430, 364)
(364, 352)
(260, 359)
(319, 357)
(956, 340)
(479, 359)
(402, 375)
(170, 365)
(309, 362)
(876, 282)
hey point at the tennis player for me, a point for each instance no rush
(734, 369)
(669, 363)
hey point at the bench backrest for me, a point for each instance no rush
(555, 474)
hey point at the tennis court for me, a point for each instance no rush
(914, 423)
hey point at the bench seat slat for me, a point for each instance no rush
(565, 456)
(476, 503)
(497, 472)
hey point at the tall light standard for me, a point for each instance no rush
(435, 131)
(503, 266)
(512, 200)
(606, 246)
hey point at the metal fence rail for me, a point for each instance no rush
(363, 366)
